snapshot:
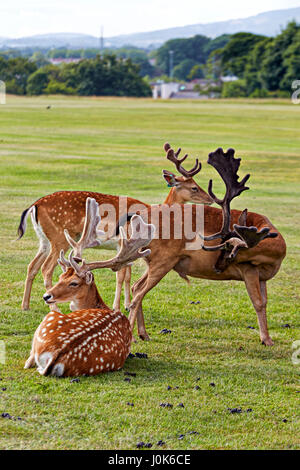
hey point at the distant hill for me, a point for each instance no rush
(47, 41)
(268, 23)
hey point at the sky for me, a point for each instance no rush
(28, 17)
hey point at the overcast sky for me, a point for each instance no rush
(27, 17)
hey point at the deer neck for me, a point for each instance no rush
(92, 299)
(173, 198)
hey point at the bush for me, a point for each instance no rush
(259, 93)
(54, 87)
(13, 88)
(236, 89)
(182, 70)
(37, 82)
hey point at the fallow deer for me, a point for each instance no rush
(248, 250)
(93, 338)
(54, 213)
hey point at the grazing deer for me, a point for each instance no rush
(248, 250)
(92, 339)
(54, 213)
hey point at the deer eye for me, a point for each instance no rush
(194, 189)
(73, 284)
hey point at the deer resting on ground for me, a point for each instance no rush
(93, 338)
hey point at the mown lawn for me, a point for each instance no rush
(115, 146)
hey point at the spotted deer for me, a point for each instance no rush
(93, 338)
(249, 247)
(52, 214)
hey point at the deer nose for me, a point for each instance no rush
(47, 297)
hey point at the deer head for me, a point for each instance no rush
(185, 188)
(73, 285)
(77, 280)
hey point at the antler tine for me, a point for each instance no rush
(173, 157)
(64, 264)
(89, 236)
(252, 236)
(131, 249)
(78, 268)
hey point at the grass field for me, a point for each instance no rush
(115, 146)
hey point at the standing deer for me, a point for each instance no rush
(54, 213)
(92, 339)
(248, 251)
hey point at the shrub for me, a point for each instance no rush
(235, 89)
(55, 87)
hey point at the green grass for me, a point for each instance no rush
(115, 146)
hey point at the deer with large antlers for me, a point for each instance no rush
(54, 213)
(93, 338)
(250, 248)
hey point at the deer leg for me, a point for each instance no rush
(31, 360)
(120, 276)
(32, 270)
(127, 287)
(257, 291)
(144, 285)
(140, 317)
(49, 266)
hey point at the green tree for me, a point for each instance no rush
(235, 89)
(274, 67)
(234, 56)
(105, 76)
(291, 63)
(253, 68)
(187, 48)
(37, 82)
(218, 43)
(196, 72)
(15, 72)
(182, 70)
(39, 59)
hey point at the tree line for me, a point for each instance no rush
(101, 76)
(263, 66)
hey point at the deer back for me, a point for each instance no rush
(85, 342)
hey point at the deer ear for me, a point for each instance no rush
(170, 179)
(89, 277)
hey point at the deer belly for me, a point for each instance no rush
(203, 267)
(93, 365)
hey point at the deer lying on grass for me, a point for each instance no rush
(93, 338)
(248, 250)
(54, 213)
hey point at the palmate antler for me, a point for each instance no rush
(130, 250)
(173, 157)
(90, 235)
(241, 237)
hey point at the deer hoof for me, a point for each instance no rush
(267, 342)
(145, 337)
